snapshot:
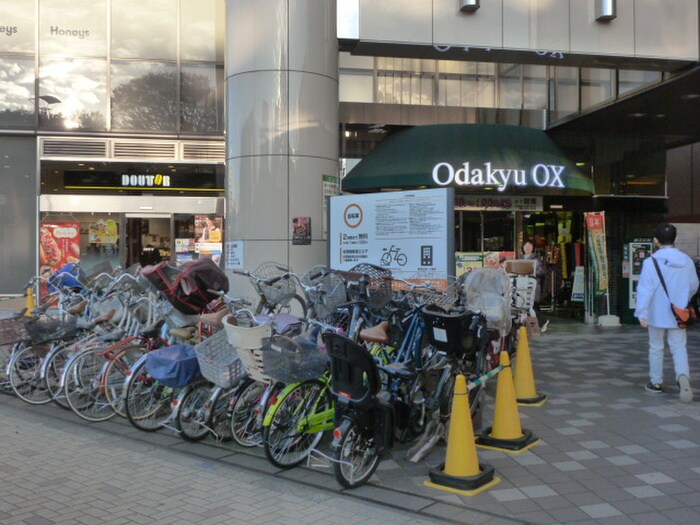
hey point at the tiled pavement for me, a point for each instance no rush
(609, 453)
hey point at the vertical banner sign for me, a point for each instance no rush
(407, 232)
(595, 224)
(331, 188)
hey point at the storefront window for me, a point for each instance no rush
(146, 29)
(596, 86)
(16, 92)
(72, 94)
(510, 86)
(632, 80)
(199, 22)
(202, 107)
(144, 96)
(18, 22)
(566, 91)
(73, 28)
(535, 87)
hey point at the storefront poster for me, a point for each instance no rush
(301, 230)
(103, 231)
(468, 261)
(208, 230)
(59, 244)
(234, 255)
(406, 232)
(577, 291)
(595, 224)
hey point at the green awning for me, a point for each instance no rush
(472, 158)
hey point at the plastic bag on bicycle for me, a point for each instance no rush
(462, 334)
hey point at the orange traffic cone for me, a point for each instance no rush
(506, 434)
(461, 473)
(524, 379)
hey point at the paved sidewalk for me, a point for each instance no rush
(55, 472)
(609, 453)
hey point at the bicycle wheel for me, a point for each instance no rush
(115, 374)
(191, 415)
(147, 401)
(285, 439)
(220, 414)
(244, 425)
(355, 457)
(82, 384)
(6, 353)
(55, 364)
(25, 375)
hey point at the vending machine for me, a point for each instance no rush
(634, 253)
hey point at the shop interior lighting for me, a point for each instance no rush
(637, 115)
(468, 6)
(690, 96)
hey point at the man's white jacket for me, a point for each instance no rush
(681, 282)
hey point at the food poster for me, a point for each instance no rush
(103, 231)
(59, 244)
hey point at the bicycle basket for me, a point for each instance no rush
(219, 361)
(245, 336)
(294, 360)
(379, 292)
(280, 292)
(433, 288)
(12, 330)
(328, 292)
(455, 333)
(50, 328)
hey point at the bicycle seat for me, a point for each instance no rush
(183, 333)
(376, 334)
(354, 373)
(151, 332)
(78, 308)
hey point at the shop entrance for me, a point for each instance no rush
(148, 239)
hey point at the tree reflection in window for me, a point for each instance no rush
(148, 103)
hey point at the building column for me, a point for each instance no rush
(282, 125)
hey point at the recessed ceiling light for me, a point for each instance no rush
(660, 115)
(637, 115)
(690, 96)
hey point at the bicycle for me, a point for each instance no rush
(275, 289)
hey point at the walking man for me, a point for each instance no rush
(654, 308)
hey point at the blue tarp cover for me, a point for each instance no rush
(174, 366)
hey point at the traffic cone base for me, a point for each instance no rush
(513, 446)
(461, 473)
(524, 379)
(464, 486)
(536, 401)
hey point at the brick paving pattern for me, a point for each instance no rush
(609, 453)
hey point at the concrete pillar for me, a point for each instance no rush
(282, 125)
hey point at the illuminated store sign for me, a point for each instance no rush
(541, 175)
(177, 181)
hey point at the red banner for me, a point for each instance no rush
(595, 224)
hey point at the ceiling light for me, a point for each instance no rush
(690, 96)
(637, 115)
